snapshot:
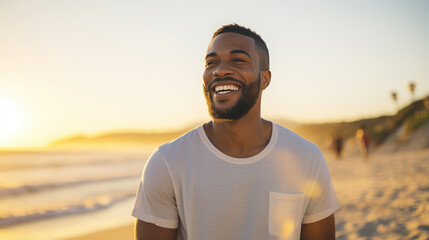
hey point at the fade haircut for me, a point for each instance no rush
(264, 57)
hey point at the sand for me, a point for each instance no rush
(125, 232)
(384, 197)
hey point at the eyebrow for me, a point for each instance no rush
(213, 54)
(239, 51)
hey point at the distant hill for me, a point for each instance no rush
(410, 117)
(409, 120)
(118, 139)
(379, 127)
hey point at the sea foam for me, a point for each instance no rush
(61, 209)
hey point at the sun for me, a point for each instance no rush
(9, 121)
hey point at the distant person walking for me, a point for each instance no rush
(337, 145)
(363, 138)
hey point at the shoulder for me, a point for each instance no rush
(171, 152)
(185, 139)
(292, 142)
(182, 146)
(291, 138)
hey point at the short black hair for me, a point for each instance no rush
(259, 42)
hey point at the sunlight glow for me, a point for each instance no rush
(287, 229)
(312, 189)
(10, 120)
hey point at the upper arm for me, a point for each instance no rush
(320, 230)
(155, 201)
(149, 231)
(323, 200)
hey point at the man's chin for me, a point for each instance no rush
(221, 116)
(225, 116)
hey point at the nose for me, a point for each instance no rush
(222, 69)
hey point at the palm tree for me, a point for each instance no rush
(394, 95)
(412, 88)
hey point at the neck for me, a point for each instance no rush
(240, 138)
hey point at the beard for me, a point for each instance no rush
(248, 98)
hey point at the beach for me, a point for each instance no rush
(383, 197)
(124, 232)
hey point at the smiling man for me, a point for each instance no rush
(238, 176)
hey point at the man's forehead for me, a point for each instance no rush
(231, 41)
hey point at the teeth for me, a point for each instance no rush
(226, 88)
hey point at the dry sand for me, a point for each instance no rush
(384, 197)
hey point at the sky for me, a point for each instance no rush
(86, 67)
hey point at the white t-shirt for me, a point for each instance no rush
(189, 184)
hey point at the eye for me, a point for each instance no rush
(238, 60)
(209, 63)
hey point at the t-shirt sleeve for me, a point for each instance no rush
(155, 201)
(323, 200)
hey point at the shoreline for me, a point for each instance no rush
(124, 232)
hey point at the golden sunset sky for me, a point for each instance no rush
(70, 67)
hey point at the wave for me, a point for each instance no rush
(33, 188)
(84, 206)
(8, 166)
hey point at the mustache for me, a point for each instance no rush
(224, 79)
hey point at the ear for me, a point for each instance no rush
(265, 79)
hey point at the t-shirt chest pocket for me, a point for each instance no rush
(285, 215)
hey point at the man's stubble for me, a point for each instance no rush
(248, 98)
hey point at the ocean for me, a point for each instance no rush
(53, 195)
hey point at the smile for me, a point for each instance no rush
(224, 89)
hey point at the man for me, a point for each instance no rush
(238, 176)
